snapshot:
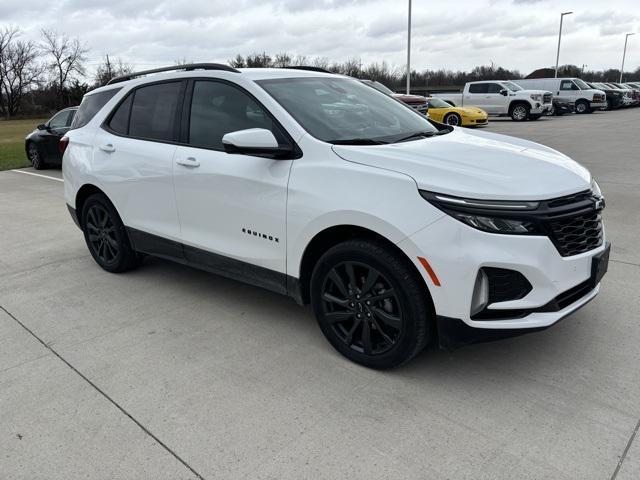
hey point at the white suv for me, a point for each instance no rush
(398, 230)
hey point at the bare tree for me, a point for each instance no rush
(19, 70)
(109, 69)
(67, 56)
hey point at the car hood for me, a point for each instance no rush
(478, 165)
(410, 98)
(470, 110)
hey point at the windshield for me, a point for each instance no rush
(581, 84)
(343, 110)
(437, 103)
(512, 86)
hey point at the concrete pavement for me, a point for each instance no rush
(168, 372)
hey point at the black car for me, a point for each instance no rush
(41, 145)
(614, 97)
(562, 106)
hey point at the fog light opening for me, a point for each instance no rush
(480, 297)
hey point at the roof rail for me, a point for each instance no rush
(310, 69)
(187, 67)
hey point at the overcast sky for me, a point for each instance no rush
(453, 34)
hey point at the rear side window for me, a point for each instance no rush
(478, 88)
(91, 104)
(154, 111)
(119, 122)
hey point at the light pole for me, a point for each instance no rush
(409, 51)
(626, 38)
(559, 38)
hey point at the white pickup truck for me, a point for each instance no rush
(502, 98)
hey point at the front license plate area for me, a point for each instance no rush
(600, 265)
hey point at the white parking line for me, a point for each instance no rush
(38, 175)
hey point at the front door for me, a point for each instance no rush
(232, 207)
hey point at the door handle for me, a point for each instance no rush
(188, 162)
(107, 147)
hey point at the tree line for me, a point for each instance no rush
(40, 77)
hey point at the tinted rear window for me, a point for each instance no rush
(91, 104)
(119, 122)
(478, 88)
(154, 111)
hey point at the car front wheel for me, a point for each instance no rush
(33, 152)
(453, 119)
(371, 304)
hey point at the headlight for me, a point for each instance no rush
(513, 218)
(536, 96)
(595, 188)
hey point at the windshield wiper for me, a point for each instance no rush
(357, 141)
(416, 135)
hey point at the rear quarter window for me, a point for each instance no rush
(91, 104)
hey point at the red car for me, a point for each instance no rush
(417, 102)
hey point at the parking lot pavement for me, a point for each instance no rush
(168, 372)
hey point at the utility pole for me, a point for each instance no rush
(559, 38)
(409, 51)
(624, 54)
(108, 67)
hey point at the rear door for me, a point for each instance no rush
(232, 207)
(133, 158)
(477, 96)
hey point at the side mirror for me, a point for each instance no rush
(254, 141)
(504, 92)
(42, 126)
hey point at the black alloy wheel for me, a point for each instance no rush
(362, 308)
(371, 303)
(101, 232)
(106, 236)
(453, 119)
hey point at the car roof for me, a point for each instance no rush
(253, 74)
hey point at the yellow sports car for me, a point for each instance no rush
(442, 112)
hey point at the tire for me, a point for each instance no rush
(534, 117)
(106, 236)
(520, 112)
(35, 157)
(582, 106)
(384, 321)
(452, 119)
(609, 106)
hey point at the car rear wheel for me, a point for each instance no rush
(371, 304)
(453, 119)
(106, 236)
(33, 152)
(520, 112)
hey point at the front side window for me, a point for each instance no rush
(61, 119)
(343, 110)
(494, 88)
(218, 108)
(478, 88)
(154, 111)
(568, 85)
(91, 104)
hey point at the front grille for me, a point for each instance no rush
(578, 234)
(546, 98)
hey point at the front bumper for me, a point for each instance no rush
(597, 105)
(539, 108)
(456, 252)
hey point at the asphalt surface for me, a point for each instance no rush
(171, 373)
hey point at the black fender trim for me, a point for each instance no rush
(74, 216)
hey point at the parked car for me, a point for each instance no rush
(634, 93)
(441, 111)
(399, 231)
(501, 98)
(613, 95)
(585, 98)
(627, 93)
(562, 106)
(41, 145)
(417, 102)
